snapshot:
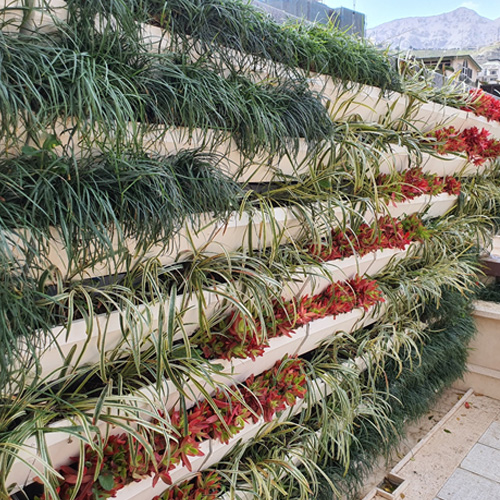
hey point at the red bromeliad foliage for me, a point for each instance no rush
(238, 338)
(387, 232)
(484, 105)
(124, 459)
(202, 487)
(476, 143)
(414, 182)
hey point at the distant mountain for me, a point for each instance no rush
(460, 29)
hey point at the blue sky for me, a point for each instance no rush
(381, 11)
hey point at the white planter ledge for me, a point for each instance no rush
(433, 206)
(471, 120)
(364, 102)
(431, 116)
(483, 363)
(166, 141)
(108, 332)
(399, 159)
(257, 231)
(319, 277)
(215, 451)
(41, 15)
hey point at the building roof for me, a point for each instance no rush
(440, 54)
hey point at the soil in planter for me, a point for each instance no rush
(29, 492)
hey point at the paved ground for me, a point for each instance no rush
(478, 477)
(460, 460)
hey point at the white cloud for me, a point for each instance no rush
(470, 5)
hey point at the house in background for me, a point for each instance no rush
(449, 62)
(312, 10)
(490, 73)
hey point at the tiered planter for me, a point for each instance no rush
(340, 270)
(61, 445)
(240, 231)
(369, 104)
(168, 141)
(365, 102)
(86, 342)
(398, 158)
(433, 206)
(213, 452)
(304, 339)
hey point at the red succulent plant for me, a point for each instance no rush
(477, 144)
(124, 459)
(483, 104)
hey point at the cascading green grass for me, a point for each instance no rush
(103, 86)
(219, 25)
(90, 201)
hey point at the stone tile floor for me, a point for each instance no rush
(478, 476)
(460, 457)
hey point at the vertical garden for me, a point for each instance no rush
(235, 256)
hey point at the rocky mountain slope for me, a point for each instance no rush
(461, 28)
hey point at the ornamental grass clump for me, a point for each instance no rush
(107, 97)
(89, 202)
(234, 30)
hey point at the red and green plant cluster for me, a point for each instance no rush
(237, 337)
(477, 144)
(203, 487)
(414, 182)
(387, 232)
(124, 459)
(484, 104)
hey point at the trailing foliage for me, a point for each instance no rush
(86, 203)
(330, 450)
(126, 460)
(239, 337)
(411, 389)
(110, 91)
(489, 293)
(232, 30)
